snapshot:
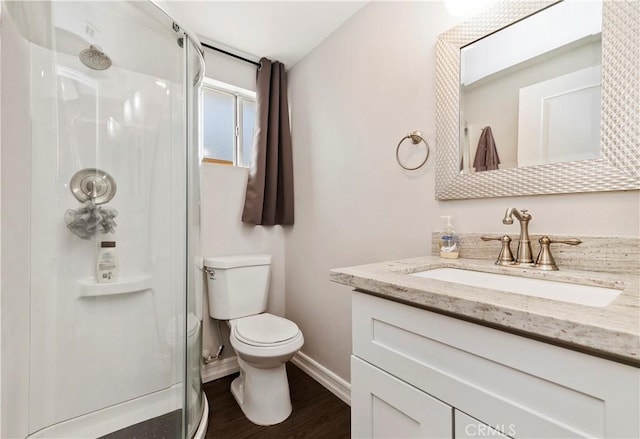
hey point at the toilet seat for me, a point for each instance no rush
(264, 330)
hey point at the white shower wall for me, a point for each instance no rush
(87, 352)
(15, 187)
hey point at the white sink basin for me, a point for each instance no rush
(548, 289)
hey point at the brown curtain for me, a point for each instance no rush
(269, 198)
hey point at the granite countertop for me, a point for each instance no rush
(612, 331)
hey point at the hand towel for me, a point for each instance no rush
(486, 158)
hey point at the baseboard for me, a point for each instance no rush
(328, 379)
(219, 369)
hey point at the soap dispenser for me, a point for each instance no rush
(449, 244)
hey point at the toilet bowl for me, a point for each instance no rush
(263, 344)
(238, 289)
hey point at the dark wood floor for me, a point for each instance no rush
(317, 413)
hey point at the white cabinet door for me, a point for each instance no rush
(382, 406)
(466, 427)
(545, 391)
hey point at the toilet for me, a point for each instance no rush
(238, 287)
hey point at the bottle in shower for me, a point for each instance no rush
(449, 244)
(107, 262)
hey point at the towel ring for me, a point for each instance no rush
(416, 137)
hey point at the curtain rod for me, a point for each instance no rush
(230, 54)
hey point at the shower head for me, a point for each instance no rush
(94, 58)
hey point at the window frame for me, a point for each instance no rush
(240, 95)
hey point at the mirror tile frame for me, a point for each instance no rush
(618, 168)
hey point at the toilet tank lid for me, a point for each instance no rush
(237, 261)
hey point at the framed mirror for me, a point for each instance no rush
(571, 125)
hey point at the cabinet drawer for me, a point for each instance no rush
(385, 407)
(501, 378)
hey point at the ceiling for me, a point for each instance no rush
(285, 31)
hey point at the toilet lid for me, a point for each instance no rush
(265, 329)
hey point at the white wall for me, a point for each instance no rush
(230, 70)
(223, 232)
(352, 99)
(16, 132)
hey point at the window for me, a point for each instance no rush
(228, 118)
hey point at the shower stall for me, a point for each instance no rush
(99, 156)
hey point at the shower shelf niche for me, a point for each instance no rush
(90, 288)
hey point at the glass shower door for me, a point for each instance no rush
(108, 162)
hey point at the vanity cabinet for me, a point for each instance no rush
(416, 373)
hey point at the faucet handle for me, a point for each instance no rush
(545, 260)
(505, 257)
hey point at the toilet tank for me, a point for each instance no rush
(237, 286)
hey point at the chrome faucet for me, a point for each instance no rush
(524, 255)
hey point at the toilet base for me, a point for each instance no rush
(262, 394)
